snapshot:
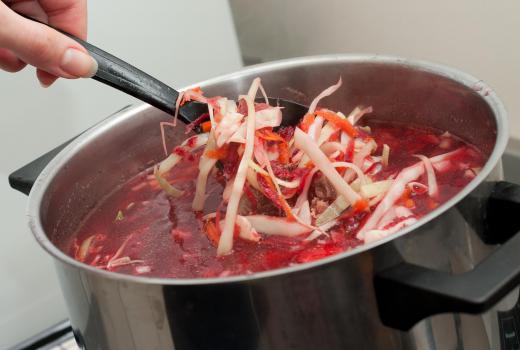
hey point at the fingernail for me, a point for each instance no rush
(78, 64)
(44, 85)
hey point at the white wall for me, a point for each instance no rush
(175, 41)
(478, 36)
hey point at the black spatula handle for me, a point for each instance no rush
(127, 78)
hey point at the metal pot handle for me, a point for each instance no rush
(408, 293)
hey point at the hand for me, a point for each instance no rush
(23, 41)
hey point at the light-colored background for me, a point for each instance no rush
(478, 36)
(174, 41)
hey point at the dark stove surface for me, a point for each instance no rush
(57, 337)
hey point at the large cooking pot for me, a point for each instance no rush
(413, 290)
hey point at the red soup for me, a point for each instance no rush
(247, 195)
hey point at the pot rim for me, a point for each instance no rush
(45, 178)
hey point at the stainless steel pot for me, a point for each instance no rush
(367, 298)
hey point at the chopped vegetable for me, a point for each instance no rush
(307, 145)
(385, 155)
(433, 190)
(226, 239)
(274, 191)
(120, 216)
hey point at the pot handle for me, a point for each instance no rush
(408, 293)
(23, 179)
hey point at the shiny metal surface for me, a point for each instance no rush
(325, 304)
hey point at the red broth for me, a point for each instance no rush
(163, 237)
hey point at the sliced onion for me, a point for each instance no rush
(315, 128)
(360, 175)
(166, 186)
(357, 114)
(359, 159)
(326, 132)
(191, 144)
(395, 192)
(331, 147)
(84, 248)
(227, 127)
(304, 213)
(225, 244)
(246, 230)
(321, 230)
(327, 92)
(269, 117)
(375, 188)
(433, 189)
(307, 145)
(376, 235)
(333, 211)
(273, 225)
(385, 155)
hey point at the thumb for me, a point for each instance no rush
(44, 47)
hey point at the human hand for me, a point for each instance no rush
(54, 55)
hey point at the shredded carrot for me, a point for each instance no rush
(206, 126)
(309, 164)
(283, 148)
(334, 137)
(341, 123)
(212, 232)
(283, 153)
(409, 203)
(360, 205)
(306, 122)
(219, 153)
(269, 135)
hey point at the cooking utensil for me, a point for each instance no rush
(366, 298)
(115, 72)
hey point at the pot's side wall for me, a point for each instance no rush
(109, 314)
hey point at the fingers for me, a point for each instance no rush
(43, 47)
(45, 79)
(9, 62)
(68, 15)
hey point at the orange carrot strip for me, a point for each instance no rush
(341, 123)
(360, 205)
(269, 135)
(212, 232)
(283, 153)
(219, 153)
(306, 122)
(206, 126)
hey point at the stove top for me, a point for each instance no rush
(57, 337)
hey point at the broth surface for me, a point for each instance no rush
(163, 237)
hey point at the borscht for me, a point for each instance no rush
(246, 194)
